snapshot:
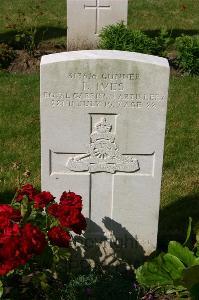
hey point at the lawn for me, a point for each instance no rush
(19, 129)
(49, 16)
(19, 104)
(175, 15)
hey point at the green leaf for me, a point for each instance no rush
(182, 253)
(191, 277)
(33, 215)
(63, 253)
(197, 249)
(151, 274)
(43, 281)
(1, 289)
(173, 266)
(40, 280)
(17, 38)
(197, 234)
(38, 219)
(24, 206)
(188, 231)
(16, 205)
(180, 290)
(53, 221)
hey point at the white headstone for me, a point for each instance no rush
(85, 19)
(103, 117)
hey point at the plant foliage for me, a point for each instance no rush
(177, 270)
(188, 53)
(120, 37)
(99, 285)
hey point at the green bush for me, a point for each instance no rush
(7, 55)
(161, 43)
(188, 53)
(119, 37)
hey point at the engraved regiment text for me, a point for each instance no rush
(103, 91)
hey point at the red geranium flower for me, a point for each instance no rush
(71, 199)
(59, 237)
(7, 211)
(9, 248)
(6, 266)
(80, 226)
(42, 199)
(53, 210)
(72, 218)
(19, 243)
(68, 215)
(33, 239)
(8, 233)
(4, 222)
(26, 190)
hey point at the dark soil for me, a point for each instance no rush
(29, 63)
(25, 62)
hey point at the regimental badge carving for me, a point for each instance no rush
(103, 154)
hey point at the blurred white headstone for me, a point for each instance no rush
(85, 19)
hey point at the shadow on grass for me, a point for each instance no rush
(173, 221)
(6, 197)
(43, 33)
(174, 32)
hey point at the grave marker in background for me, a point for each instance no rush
(103, 117)
(85, 19)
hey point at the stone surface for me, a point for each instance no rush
(103, 117)
(85, 19)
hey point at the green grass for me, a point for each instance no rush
(180, 182)
(19, 129)
(151, 15)
(181, 145)
(53, 13)
(49, 16)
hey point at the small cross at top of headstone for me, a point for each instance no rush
(85, 19)
(97, 7)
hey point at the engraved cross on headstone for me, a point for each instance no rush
(97, 8)
(102, 162)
